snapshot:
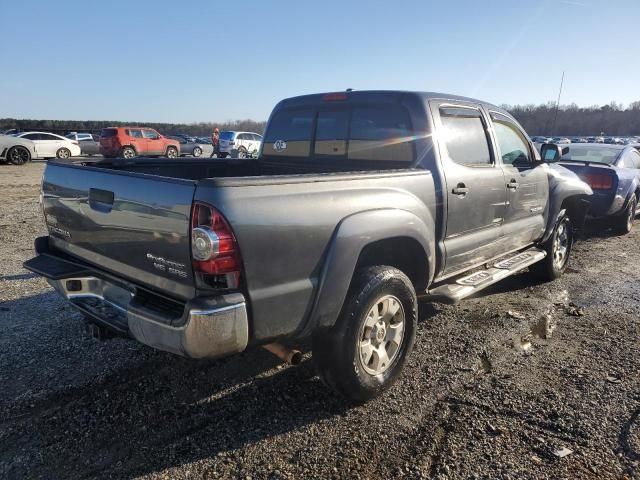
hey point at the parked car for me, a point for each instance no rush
(130, 142)
(359, 201)
(194, 148)
(239, 144)
(613, 172)
(595, 140)
(560, 140)
(204, 140)
(89, 144)
(50, 145)
(579, 140)
(17, 151)
(613, 141)
(10, 131)
(539, 139)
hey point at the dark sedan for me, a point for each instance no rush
(613, 172)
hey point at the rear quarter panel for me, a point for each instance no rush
(285, 231)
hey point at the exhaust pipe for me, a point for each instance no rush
(286, 354)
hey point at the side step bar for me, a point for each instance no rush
(466, 286)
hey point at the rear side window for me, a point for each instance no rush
(226, 135)
(464, 136)
(135, 133)
(381, 133)
(150, 134)
(108, 132)
(289, 134)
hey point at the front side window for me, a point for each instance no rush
(32, 136)
(514, 149)
(150, 134)
(464, 136)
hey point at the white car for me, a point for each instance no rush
(16, 150)
(239, 144)
(50, 145)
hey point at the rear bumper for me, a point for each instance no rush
(205, 327)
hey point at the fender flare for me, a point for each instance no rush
(351, 236)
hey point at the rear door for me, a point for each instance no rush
(474, 183)
(50, 144)
(136, 226)
(137, 141)
(527, 187)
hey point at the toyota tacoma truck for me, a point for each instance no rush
(358, 203)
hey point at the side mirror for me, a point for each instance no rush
(550, 152)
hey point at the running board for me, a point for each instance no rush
(466, 286)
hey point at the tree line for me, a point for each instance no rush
(612, 119)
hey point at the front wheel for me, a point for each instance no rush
(623, 224)
(63, 153)
(172, 152)
(364, 353)
(197, 151)
(18, 155)
(558, 249)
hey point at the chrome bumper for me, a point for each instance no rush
(214, 327)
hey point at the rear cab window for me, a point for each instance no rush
(345, 133)
(464, 136)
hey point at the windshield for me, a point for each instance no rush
(592, 154)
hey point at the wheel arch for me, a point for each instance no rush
(392, 237)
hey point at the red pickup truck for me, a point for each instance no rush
(130, 142)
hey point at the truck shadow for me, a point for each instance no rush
(155, 412)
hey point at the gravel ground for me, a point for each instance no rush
(484, 395)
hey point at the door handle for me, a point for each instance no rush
(461, 189)
(513, 184)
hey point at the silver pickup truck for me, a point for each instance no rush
(358, 203)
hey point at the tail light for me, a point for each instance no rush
(75, 142)
(334, 97)
(214, 248)
(598, 181)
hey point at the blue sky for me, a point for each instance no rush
(193, 61)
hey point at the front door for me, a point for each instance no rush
(475, 186)
(154, 142)
(527, 185)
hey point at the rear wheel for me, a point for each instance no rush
(172, 152)
(18, 155)
(197, 151)
(364, 353)
(558, 249)
(242, 152)
(624, 223)
(128, 152)
(63, 153)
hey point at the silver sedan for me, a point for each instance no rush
(196, 149)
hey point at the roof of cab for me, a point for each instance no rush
(382, 94)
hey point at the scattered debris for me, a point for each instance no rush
(485, 362)
(493, 429)
(613, 379)
(516, 315)
(574, 310)
(544, 327)
(536, 459)
(562, 452)
(522, 344)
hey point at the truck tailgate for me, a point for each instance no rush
(134, 225)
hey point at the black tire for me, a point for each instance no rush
(63, 153)
(18, 155)
(623, 223)
(242, 153)
(555, 263)
(197, 151)
(128, 152)
(172, 152)
(337, 351)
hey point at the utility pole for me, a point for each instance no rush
(555, 118)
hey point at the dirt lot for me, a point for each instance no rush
(475, 401)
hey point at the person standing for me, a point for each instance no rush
(215, 141)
